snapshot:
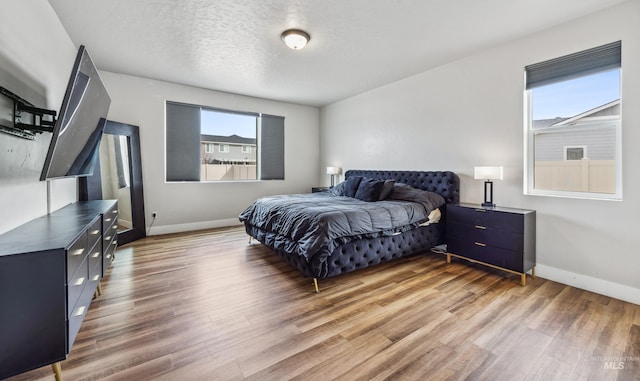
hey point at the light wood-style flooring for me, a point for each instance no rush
(209, 306)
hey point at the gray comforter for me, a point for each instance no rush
(315, 224)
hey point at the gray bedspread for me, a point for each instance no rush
(316, 223)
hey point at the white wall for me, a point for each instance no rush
(470, 112)
(189, 206)
(36, 58)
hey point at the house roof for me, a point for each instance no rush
(227, 139)
(603, 111)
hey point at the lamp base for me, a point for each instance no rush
(488, 194)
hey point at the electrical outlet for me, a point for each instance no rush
(154, 214)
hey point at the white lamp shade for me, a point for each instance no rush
(333, 170)
(487, 173)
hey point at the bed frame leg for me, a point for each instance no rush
(250, 238)
(315, 285)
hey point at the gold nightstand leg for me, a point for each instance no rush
(523, 279)
(448, 258)
(315, 285)
(57, 370)
(533, 272)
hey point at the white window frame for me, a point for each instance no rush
(563, 68)
(209, 147)
(247, 149)
(223, 148)
(529, 162)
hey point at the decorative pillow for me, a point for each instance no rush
(338, 190)
(386, 189)
(369, 189)
(351, 186)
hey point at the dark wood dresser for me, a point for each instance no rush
(50, 269)
(503, 238)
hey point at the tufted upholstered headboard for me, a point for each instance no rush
(444, 183)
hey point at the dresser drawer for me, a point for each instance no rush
(94, 233)
(76, 285)
(109, 253)
(95, 273)
(485, 235)
(110, 217)
(486, 218)
(95, 255)
(78, 312)
(76, 254)
(496, 256)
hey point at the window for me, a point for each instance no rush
(575, 153)
(574, 110)
(250, 146)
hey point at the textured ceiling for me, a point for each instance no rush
(356, 45)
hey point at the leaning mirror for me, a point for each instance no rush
(118, 176)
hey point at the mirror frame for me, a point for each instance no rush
(90, 188)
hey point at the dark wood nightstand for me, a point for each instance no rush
(319, 189)
(502, 238)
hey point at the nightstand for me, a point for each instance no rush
(319, 189)
(502, 238)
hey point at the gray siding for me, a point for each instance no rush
(600, 144)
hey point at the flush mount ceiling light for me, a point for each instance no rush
(295, 38)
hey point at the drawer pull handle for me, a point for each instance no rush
(115, 242)
(108, 256)
(480, 244)
(78, 251)
(79, 282)
(96, 254)
(107, 238)
(95, 232)
(80, 311)
(115, 211)
(480, 227)
(95, 278)
(107, 219)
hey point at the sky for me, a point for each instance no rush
(226, 124)
(569, 98)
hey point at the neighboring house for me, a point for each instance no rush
(578, 153)
(595, 144)
(234, 149)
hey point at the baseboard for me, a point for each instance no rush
(168, 229)
(585, 282)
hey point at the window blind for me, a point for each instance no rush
(182, 142)
(574, 65)
(271, 147)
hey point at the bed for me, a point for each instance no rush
(326, 234)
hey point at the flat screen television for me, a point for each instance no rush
(73, 150)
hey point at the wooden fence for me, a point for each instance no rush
(597, 176)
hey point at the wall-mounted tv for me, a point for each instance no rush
(73, 150)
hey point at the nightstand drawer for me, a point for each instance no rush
(478, 251)
(486, 218)
(486, 235)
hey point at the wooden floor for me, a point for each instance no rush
(209, 306)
